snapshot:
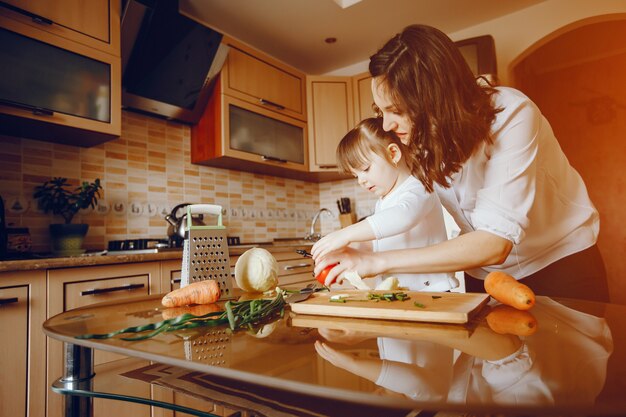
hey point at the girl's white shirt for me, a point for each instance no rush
(410, 217)
(522, 188)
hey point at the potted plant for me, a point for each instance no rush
(56, 196)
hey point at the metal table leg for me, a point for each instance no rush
(78, 375)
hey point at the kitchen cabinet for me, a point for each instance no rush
(255, 119)
(59, 86)
(69, 288)
(235, 134)
(363, 99)
(22, 352)
(94, 23)
(261, 80)
(330, 118)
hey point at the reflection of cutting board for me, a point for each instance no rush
(380, 328)
(450, 308)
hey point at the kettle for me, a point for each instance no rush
(176, 228)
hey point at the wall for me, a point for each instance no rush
(149, 166)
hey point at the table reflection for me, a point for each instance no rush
(563, 363)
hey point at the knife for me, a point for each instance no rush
(301, 295)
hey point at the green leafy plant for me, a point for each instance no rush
(56, 196)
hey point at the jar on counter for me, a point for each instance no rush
(19, 240)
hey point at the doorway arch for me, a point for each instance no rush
(577, 77)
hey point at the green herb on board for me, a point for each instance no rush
(420, 305)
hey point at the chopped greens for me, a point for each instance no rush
(420, 305)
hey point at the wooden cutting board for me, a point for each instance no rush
(446, 307)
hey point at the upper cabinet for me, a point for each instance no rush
(363, 99)
(62, 81)
(261, 80)
(330, 118)
(95, 23)
(255, 119)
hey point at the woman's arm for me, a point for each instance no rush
(471, 250)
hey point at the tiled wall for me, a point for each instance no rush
(145, 173)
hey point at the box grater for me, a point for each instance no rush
(205, 250)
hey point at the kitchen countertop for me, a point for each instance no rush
(574, 364)
(280, 245)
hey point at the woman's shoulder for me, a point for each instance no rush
(514, 106)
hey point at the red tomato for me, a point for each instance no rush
(321, 277)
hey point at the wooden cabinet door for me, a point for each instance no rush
(22, 350)
(95, 23)
(76, 287)
(170, 275)
(363, 99)
(330, 118)
(263, 81)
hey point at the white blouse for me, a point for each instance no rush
(410, 217)
(522, 188)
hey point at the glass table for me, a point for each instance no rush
(572, 362)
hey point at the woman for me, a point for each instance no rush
(497, 167)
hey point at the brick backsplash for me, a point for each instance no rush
(146, 170)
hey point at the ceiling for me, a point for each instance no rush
(294, 31)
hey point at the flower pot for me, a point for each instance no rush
(67, 239)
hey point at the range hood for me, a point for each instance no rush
(169, 61)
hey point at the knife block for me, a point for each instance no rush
(346, 219)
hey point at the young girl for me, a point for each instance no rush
(406, 216)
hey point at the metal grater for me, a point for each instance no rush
(205, 251)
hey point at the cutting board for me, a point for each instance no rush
(446, 307)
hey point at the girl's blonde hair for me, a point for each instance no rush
(368, 136)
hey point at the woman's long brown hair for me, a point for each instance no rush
(428, 79)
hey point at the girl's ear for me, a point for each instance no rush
(394, 152)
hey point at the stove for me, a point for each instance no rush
(138, 246)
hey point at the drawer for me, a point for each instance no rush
(295, 266)
(80, 294)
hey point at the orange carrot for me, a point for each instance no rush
(505, 319)
(200, 292)
(509, 291)
(196, 310)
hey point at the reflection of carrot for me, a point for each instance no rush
(200, 292)
(509, 291)
(505, 319)
(196, 310)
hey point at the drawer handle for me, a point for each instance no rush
(297, 266)
(328, 166)
(36, 18)
(175, 281)
(271, 103)
(5, 301)
(273, 159)
(112, 289)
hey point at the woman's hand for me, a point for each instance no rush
(366, 264)
(330, 242)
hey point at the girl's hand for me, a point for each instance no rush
(330, 242)
(366, 264)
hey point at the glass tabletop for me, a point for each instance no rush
(572, 361)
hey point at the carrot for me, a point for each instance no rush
(200, 292)
(505, 319)
(196, 310)
(509, 291)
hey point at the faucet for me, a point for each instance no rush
(312, 236)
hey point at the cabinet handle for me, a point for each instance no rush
(271, 103)
(273, 159)
(297, 266)
(5, 301)
(112, 289)
(39, 111)
(327, 166)
(36, 18)
(175, 281)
